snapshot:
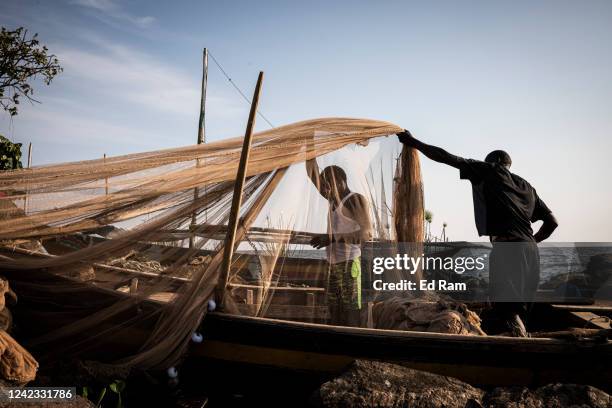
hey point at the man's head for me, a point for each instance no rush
(499, 157)
(333, 182)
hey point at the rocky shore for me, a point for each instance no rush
(374, 384)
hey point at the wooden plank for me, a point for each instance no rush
(288, 311)
(277, 288)
(590, 319)
(601, 309)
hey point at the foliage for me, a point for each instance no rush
(115, 387)
(428, 220)
(10, 154)
(22, 60)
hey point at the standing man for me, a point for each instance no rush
(505, 205)
(348, 225)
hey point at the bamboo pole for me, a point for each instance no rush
(201, 132)
(232, 225)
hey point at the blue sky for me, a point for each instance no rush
(532, 78)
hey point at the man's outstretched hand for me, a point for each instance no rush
(406, 138)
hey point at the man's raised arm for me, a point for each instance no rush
(312, 168)
(432, 152)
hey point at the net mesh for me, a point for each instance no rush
(121, 256)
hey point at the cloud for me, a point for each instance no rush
(122, 73)
(110, 9)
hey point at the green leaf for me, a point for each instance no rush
(101, 397)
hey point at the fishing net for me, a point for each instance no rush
(122, 256)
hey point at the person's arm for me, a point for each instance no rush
(541, 212)
(548, 227)
(312, 168)
(432, 152)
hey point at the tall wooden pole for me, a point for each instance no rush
(201, 132)
(202, 123)
(232, 225)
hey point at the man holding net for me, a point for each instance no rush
(505, 205)
(348, 226)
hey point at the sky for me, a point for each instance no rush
(532, 78)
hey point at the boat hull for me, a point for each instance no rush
(324, 351)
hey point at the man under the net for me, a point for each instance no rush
(505, 205)
(348, 226)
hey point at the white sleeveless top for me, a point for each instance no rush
(339, 223)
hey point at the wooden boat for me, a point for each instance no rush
(247, 345)
(325, 351)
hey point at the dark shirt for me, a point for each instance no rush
(505, 205)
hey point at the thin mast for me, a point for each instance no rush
(201, 132)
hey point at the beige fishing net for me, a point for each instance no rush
(121, 256)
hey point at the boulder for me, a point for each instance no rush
(548, 396)
(77, 402)
(375, 384)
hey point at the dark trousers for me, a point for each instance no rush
(514, 275)
(343, 293)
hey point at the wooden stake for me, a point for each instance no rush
(228, 250)
(30, 155)
(105, 178)
(201, 132)
(25, 200)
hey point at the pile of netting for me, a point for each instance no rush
(121, 256)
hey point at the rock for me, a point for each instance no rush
(77, 402)
(548, 396)
(16, 363)
(375, 384)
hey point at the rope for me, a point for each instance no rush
(238, 89)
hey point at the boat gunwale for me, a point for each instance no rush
(454, 338)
